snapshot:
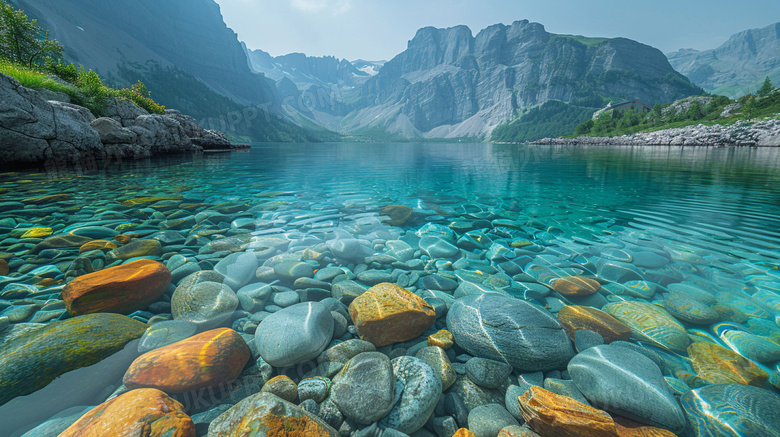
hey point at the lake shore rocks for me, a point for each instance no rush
(295, 334)
(35, 131)
(740, 133)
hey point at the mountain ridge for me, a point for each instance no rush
(736, 67)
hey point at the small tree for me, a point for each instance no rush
(23, 41)
(766, 88)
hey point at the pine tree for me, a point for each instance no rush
(766, 88)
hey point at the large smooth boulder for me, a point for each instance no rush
(732, 410)
(652, 324)
(205, 360)
(121, 289)
(509, 330)
(627, 383)
(33, 359)
(364, 390)
(421, 391)
(144, 412)
(200, 299)
(295, 334)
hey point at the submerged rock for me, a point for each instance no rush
(33, 359)
(510, 330)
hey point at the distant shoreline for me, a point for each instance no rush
(765, 133)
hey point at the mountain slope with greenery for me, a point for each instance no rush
(552, 119)
(185, 54)
(706, 110)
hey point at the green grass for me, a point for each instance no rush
(551, 119)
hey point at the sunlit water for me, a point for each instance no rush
(714, 212)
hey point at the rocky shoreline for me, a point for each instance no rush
(38, 130)
(741, 133)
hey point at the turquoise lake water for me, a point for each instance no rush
(706, 218)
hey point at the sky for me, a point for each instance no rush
(380, 29)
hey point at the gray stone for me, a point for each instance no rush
(519, 333)
(438, 248)
(316, 388)
(112, 132)
(487, 373)
(565, 388)
(165, 333)
(436, 357)
(627, 383)
(207, 304)
(488, 420)
(421, 391)
(285, 299)
(364, 390)
(343, 352)
(295, 334)
(238, 269)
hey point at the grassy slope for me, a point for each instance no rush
(748, 107)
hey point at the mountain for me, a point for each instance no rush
(306, 71)
(737, 67)
(181, 49)
(451, 84)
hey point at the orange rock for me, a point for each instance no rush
(576, 286)
(575, 317)
(205, 360)
(550, 414)
(629, 428)
(121, 289)
(123, 238)
(4, 268)
(443, 339)
(387, 313)
(97, 245)
(717, 365)
(145, 412)
(463, 432)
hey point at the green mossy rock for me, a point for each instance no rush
(32, 360)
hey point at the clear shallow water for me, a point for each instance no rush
(713, 213)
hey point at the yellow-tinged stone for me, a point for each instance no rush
(4, 268)
(518, 244)
(463, 432)
(576, 286)
(42, 200)
(145, 200)
(551, 414)
(48, 282)
(37, 233)
(387, 313)
(97, 245)
(144, 412)
(717, 365)
(629, 428)
(443, 339)
(396, 215)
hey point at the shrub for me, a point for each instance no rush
(69, 73)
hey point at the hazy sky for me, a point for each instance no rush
(380, 29)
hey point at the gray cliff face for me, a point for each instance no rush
(188, 34)
(449, 83)
(738, 66)
(35, 131)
